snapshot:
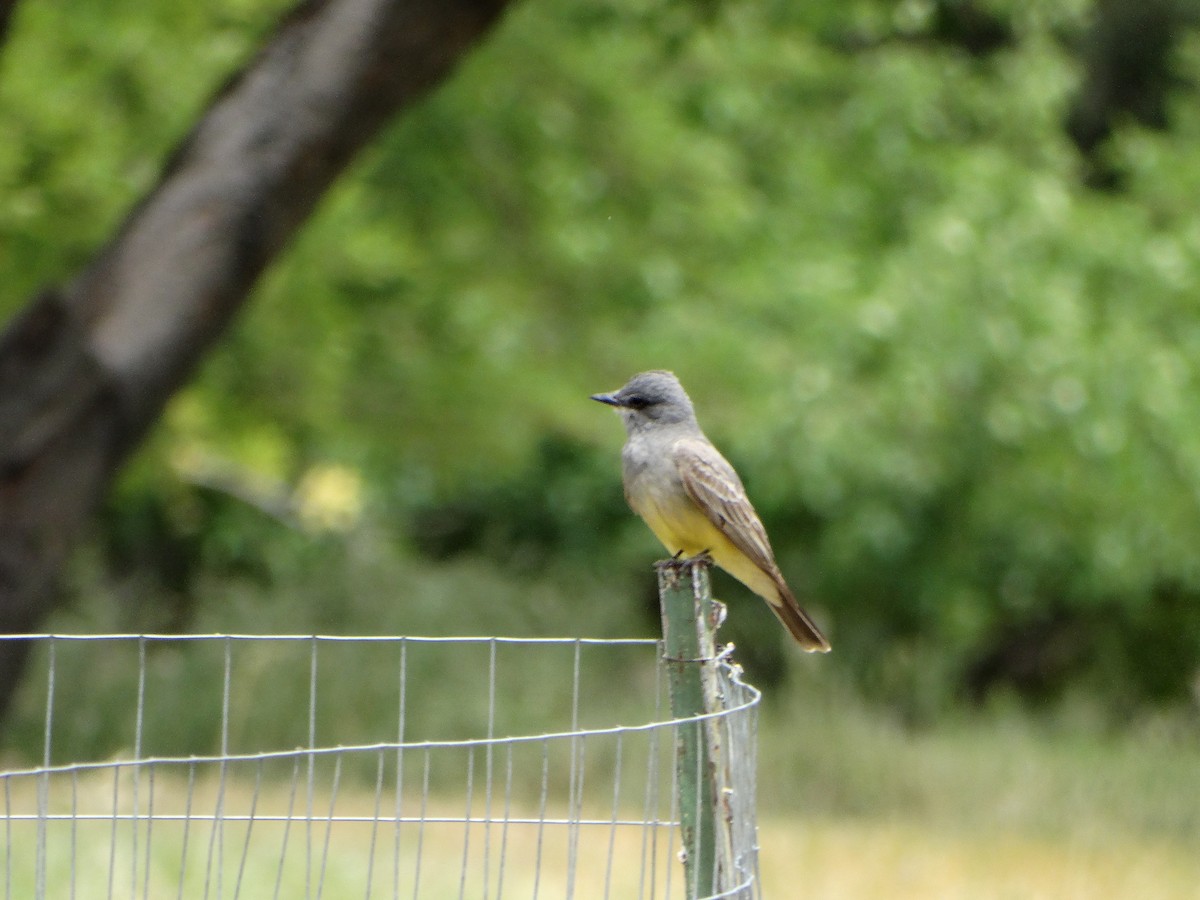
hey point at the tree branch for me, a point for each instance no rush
(6, 10)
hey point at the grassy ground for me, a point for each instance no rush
(1056, 773)
(993, 804)
(898, 859)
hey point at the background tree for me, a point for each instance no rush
(955, 374)
(85, 370)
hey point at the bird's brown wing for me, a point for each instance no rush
(715, 487)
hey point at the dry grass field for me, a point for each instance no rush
(819, 856)
(849, 859)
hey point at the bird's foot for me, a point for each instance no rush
(679, 562)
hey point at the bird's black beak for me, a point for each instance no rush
(610, 399)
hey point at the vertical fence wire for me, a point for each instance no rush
(403, 687)
(8, 840)
(139, 722)
(44, 780)
(310, 784)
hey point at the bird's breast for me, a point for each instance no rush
(656, 493)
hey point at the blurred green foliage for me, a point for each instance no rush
(960, 384)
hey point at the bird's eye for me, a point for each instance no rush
(637, 401)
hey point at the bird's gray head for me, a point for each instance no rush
(651, 398)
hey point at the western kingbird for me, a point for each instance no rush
(691, 497)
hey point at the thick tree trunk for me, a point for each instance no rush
(85, 370)
(6, 11)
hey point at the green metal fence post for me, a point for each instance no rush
(690, 617)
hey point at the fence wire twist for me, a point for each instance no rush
(148, 766)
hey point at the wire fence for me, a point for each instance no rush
(149, 766)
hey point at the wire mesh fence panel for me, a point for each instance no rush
(318, 766)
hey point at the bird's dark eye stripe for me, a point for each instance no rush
(637, 401)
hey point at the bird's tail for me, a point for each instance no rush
(797, 622)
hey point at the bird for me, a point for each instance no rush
(693, 500)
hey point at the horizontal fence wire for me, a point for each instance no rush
(221, 765)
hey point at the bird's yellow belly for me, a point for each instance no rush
(685, 528)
